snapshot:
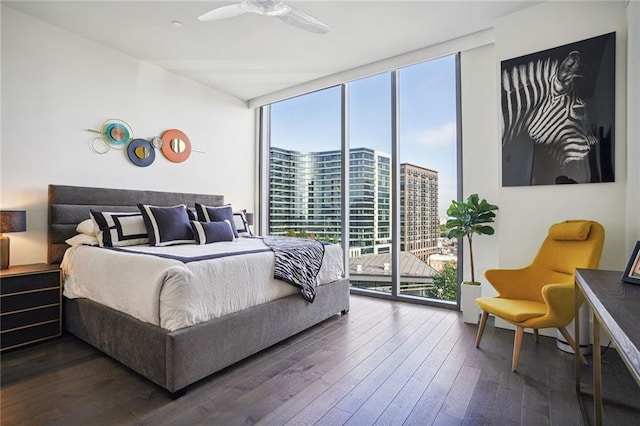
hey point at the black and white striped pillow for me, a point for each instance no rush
(167, 225)
(119, 229)
(241, 223)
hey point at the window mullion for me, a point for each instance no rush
(345, 193)
(395, 188)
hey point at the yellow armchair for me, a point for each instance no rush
(542, 295)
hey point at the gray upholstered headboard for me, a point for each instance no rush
(69, 205)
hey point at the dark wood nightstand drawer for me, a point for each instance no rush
(32, 299)
(27, 335)
(30, 304)
(29, 317)
(22, 283)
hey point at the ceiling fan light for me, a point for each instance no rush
(273, 8)
(267, 7)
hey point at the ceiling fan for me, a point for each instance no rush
(277, 8)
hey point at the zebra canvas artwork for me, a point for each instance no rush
(558, 114)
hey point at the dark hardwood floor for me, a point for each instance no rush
(385, 363)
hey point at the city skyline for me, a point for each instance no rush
(305, 198)
(427, 120)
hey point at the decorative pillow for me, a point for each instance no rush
(167, 225)
(87, 227)
(82, 240)
(216, 214)
(241, 224)
(119, 229)
(570, 230)
(212, 232)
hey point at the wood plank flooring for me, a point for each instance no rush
(385, 363)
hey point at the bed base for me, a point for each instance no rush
(176, 359)
(179, 358)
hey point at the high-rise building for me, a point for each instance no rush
(369, 202)
(305, 198)
(304, 193)
(418, 210)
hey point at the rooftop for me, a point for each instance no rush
(380, 265)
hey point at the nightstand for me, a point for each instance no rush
(30, 304)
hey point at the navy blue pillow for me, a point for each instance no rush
(216, 214)
(167, 225)
(212, 232)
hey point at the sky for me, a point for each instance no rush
(427, 120)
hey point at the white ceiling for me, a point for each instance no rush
(250, 55)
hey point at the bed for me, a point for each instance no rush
(174, 359)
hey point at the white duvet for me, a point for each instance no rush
(174, 294)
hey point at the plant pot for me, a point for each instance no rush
(585, 333)
(468, 295)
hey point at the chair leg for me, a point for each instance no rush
(572, 342)
(535, 335)
(517, 344)
(483, 323)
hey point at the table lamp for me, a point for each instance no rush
(249, 217)
(10, 221)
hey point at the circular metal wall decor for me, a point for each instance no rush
(115, 133)
(176, 146)
(156, 142)
(141, 153)
(99, 146)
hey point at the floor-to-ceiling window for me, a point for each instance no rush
(370, 146)
(400, 144)
(427, 139)
(305, 166)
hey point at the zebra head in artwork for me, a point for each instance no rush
(539, 97)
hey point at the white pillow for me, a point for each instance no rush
(119, 229)
(87, 227)
(82, 240)
(241, 224)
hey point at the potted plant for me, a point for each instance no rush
(465, 219)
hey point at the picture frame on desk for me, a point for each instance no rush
(631, 273)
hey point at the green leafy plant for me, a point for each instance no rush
(445, 284)
(470, 217)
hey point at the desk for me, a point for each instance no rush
(614, 306)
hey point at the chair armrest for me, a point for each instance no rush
(511, 283)
(560, 300)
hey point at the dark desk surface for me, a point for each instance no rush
(617, 306)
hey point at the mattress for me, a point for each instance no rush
(180, 286)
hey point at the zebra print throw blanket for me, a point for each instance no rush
(298, 262)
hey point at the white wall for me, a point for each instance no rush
(633, 125)
(526, 212)
(530, 210)
(55, 85)
(481, 149)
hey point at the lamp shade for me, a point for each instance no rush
(13, 221)
(249, 217)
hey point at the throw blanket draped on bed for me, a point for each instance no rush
(298, 262)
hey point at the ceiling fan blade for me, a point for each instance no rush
(224, 12)
(301, 20)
